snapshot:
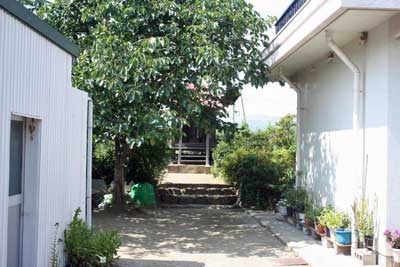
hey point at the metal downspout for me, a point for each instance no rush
(358, 140)
(299, 154)
(89, 163)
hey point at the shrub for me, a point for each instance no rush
(278, 140)
(85, 247)
(253, 173)
(219, 153)
(145, 164)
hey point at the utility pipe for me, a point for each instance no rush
(299, 154)
(89, 163)
(358, 140)
(357, 109)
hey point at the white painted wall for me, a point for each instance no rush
(35, 81)
(327, 127)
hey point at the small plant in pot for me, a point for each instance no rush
(343, 231)
(364, 222)
(311, 216)
(394, 239)
(325, 219)
(283, 207)
(297, 198)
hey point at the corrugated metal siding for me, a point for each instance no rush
(35, 81)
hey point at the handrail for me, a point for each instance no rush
(289, 13)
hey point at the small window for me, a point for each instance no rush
(16, 157)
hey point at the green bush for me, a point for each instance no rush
(278, 140)
(253, 173)
(84, 247)
(145, 165)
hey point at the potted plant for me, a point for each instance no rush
(394, 244)
(343, 231)
(325, 219)
(290, 198)
(388, 235)
(283, 207)
(363, 220)
(311, 216)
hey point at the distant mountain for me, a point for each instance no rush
(260, 122)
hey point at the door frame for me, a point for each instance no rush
(19, 199)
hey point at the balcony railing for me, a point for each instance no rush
(289, 13)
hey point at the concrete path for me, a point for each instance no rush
(195, 238)
(190, 178)
(306, 247)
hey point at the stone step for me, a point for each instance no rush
(177, 185)
(198, 199)
(181, 168)
(197, 191)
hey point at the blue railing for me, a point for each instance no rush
(288, 14)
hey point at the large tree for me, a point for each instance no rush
(149, 65)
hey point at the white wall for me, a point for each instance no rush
(393, 216)
(328, 146)
(35, 81)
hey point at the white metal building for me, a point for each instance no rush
(43, 137)
(343, 59)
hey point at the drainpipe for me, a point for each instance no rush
(89, 163)
(358, 140)
(299, 116)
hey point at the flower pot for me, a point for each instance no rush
(319, 228)
(361, 238)
(388, 249)
(369, 241)
(289, 211)
(343, 236)
(328, 232)
(282, 211)
(396, 255)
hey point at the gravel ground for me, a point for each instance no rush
(193, 238)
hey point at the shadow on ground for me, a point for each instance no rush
(158, 263)
(161, 232)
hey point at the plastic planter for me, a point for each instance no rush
(343, 236)
(396, 255)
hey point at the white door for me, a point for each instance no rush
(15, 194)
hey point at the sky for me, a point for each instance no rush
(266, 105)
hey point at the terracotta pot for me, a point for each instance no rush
(319, 228)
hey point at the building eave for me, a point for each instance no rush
(31, 20)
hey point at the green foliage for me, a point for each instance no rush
(84, 247)
(297, 198)
(138, 58)
(278, 140)
(332, 219)
(145, 164)
(252, 172)
(151, 65)
(54, 260)
(364, 217)
(312, 212)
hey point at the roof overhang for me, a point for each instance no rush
(16, 9)
(303, 42)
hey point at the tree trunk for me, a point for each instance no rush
(121, 160)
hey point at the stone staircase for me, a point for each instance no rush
(196, 194)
